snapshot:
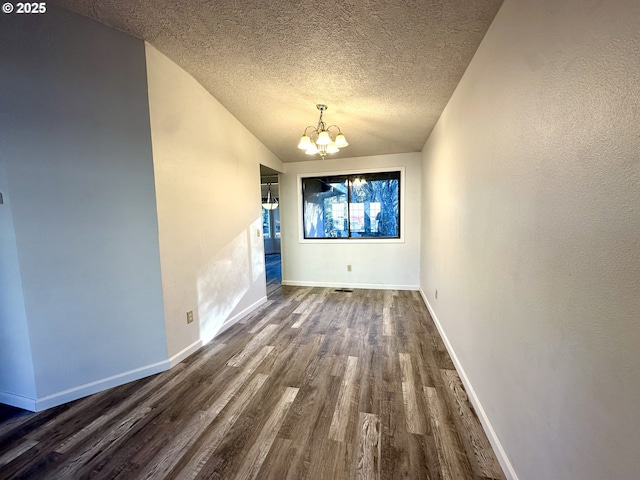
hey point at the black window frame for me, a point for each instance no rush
(395, 174)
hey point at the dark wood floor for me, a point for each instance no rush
(317, 384)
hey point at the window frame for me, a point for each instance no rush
(351, 240)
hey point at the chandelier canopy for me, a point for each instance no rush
(321, 139)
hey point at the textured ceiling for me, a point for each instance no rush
(386, 69)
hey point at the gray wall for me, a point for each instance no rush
(76, 146)
(17, 379)
(531, 235)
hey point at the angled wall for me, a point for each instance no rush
(78, 173)
(207, 176)
(531, 228)
(17, 380)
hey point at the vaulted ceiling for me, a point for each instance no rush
(386, 69)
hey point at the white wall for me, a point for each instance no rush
(531, 235)
(375, 264)
(74, 130)
(207, 174)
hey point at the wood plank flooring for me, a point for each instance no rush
(273, 267)
(316, 384)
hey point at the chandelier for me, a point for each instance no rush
(320, 139)
(271, 202)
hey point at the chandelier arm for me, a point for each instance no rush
(305, 130)
(339, 131)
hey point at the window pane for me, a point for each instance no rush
(374, 209)
(276, 222)
(357, 217)
(375, 202)
(265, 222)
(325, 207)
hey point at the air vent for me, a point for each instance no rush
(343, 290)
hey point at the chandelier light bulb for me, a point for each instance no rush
(305, 142)
(323, 138)
(341, 141)
(312, 149)
(332, 148)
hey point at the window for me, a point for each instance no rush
(266, 223)
(352, 206)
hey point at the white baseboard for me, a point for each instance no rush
(230, 322)
(368, 286)
(184, 353)
(26, 403)
(482, 415)
(81, 391)
(39, 404)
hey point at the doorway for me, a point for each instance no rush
(270, 192)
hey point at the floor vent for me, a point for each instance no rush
(343, 290)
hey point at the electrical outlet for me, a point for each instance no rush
(348, 268)
(436, 294)
(190, 316)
